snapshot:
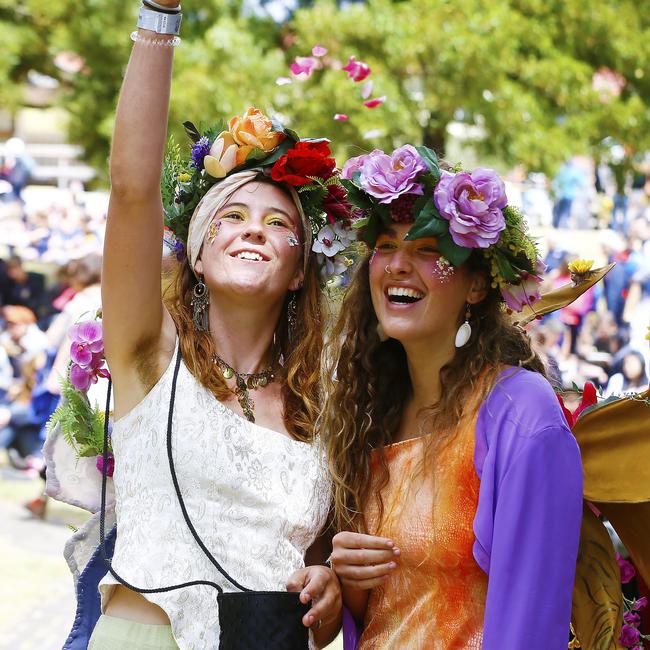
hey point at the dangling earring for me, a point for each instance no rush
(381, 334)
(464, 331)
(292, 311)
(200, 302)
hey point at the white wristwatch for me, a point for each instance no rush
(155, 21)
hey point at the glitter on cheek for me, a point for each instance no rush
(215, 227)
(372, 256)
(292, 241)
(443, 270)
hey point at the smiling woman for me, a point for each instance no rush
(224, 367)
(457, 483)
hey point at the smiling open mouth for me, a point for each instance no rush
(250, 256)
(403, 296)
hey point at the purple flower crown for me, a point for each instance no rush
(464, 211)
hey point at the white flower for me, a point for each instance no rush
(327, 243)
(344, 233)
(335, 266)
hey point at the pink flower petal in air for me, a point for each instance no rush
(303, 65)
(366, 91)
(341, 117)
(357, 70)
(283, 81)
(373, 103)
(319, 50)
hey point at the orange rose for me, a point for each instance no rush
(254, 130)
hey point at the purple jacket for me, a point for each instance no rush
(527, 523)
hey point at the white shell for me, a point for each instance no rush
(463, 334)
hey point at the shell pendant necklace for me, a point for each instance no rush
(245, 381)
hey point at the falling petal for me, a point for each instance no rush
(304, 65)
(373, 103)
(319, 50)
(366, 91)
(283, 81)
(341, 117)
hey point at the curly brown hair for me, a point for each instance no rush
(372, 384)
(300, 350)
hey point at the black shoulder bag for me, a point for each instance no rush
(248, 619)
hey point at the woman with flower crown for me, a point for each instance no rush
(458, 484)
(236, 338)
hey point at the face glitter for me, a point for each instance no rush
(443, 270)
(213, 231)
(372, 257)
(292, 241)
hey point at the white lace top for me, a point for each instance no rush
(257, 498)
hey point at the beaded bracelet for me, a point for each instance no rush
(164, 42)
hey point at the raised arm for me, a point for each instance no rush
(131, 283)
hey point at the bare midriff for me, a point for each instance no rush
(133, 606)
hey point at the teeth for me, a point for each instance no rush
(249, 255)
(403, 291)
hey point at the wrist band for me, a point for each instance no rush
(155, 21)
(161, 8)
(163, 42)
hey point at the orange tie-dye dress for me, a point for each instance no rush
(435, 599)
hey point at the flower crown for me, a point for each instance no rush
(250, 141)
(464, 211)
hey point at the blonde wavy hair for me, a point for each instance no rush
(300, 372)
(365, 401)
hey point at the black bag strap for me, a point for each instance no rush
(102, 516)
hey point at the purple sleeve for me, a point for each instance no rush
(534, 546)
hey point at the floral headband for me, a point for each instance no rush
(464, 211)
(254, 141)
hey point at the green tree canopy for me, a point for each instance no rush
(519, 74)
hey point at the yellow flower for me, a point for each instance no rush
(647, 336)
(254, 130)
(581, 266)
(184, 177)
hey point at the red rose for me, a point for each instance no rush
(305, 159)
(336, 204)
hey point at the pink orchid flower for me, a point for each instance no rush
(341, 117)
(366, 91)
(319, 50)
(357, 70)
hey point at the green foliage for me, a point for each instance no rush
(82, 425)
(514, 77)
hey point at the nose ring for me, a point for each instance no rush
(387, 270)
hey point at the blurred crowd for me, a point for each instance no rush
(50, 266)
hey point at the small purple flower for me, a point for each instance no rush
(81, 377)
(473, 204)
(199, 151)
(110, 463)
(627, 570)
(388, 177)
(631, 618)
(629, 636)
(640, 604)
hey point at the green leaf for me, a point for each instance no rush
(432, 227)
(453, 252)
(371, 232)
(361, 223)
(431, 160)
